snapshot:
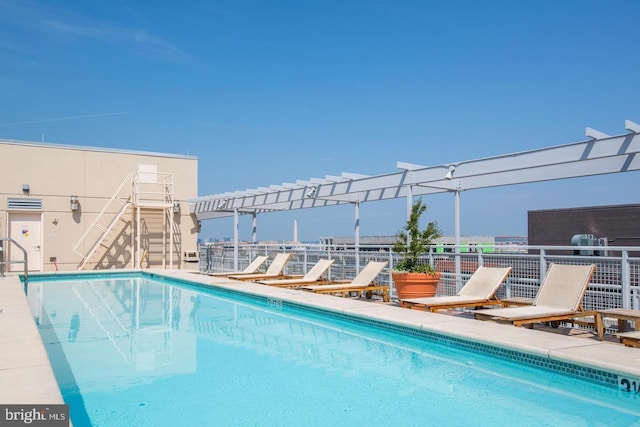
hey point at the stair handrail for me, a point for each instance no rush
(165, 179)
(102, 236)
(115, 196)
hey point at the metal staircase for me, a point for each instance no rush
(139, 190)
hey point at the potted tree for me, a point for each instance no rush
(413, 279)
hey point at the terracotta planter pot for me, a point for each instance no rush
(415, 285)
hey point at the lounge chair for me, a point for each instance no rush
(273, 272)
(559, 298)
(622, 315)
(478, 291)
(362, 283)
(313, 276)
(251, 268)
(630, 339)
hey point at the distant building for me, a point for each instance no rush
(613, 225)
(364, 240)
(443, 244)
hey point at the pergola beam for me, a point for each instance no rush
(602, 155)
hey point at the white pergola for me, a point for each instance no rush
(600, 154)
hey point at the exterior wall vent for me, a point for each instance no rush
(24, 204)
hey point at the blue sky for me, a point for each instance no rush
(266, 92)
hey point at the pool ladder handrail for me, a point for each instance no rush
(24, 261)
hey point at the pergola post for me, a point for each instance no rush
(254, 225)
(356, 211)
(456, 216)
(235, 239)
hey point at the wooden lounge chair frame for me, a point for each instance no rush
(252, 268)
(630, 339)
(479, 291)
(313, 276)
(362, 284)
(622, 315)
(274, 271)
(559, 298)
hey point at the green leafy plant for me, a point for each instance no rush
(412, 242)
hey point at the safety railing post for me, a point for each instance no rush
(626, 280)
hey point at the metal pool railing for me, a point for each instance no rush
(4, 248)
(616, 282)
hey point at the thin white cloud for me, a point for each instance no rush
(39, 17)
(75, 30)
(138, 39)
(67, 118)
(156, 45)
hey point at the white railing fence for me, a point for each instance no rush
(616, 282)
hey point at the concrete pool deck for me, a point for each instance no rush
(26, 375)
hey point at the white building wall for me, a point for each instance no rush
(54, 173)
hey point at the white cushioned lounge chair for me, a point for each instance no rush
(313, 276)
(251, 268)
(479, 290)
(274, 271)
(362, 284)
(559, 298)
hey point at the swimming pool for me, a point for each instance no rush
(143, 350)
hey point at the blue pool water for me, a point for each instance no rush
(136, 351)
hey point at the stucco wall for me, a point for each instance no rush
(55, 173)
